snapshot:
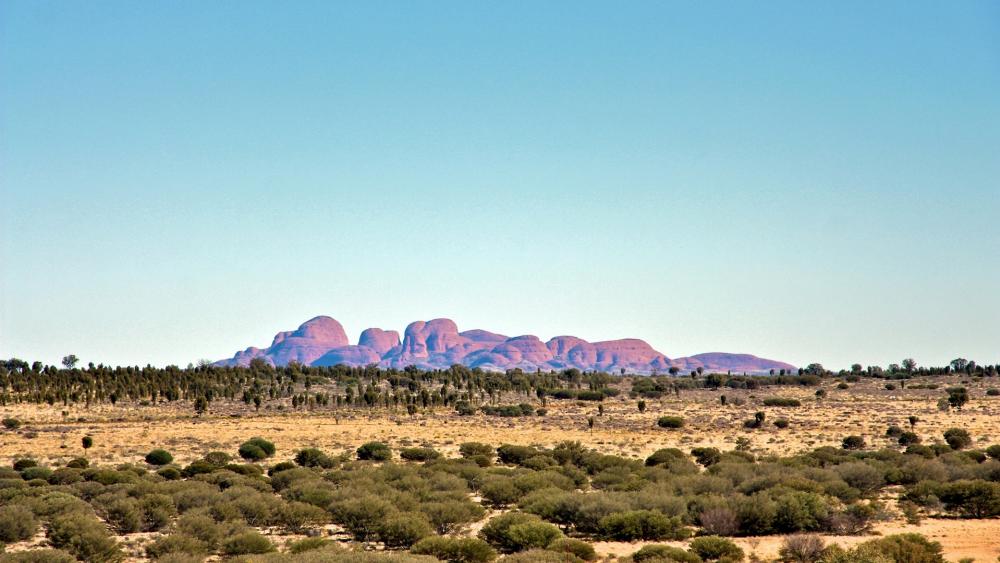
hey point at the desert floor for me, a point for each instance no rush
(124, 433)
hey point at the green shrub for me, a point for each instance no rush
(580, 549)
(447, 516)
(11, 423)
(671, 422)
(973, 499)
(312, 457)
(706, 456)
(908, 548)
(219, 459)
(36, 473)
(42, 555)
(17, 523)
(246, 543)
(296, 517)
(78, 463)
(404, 529)
(374, 451)
(309, 544)
(853, 443)
(664, 554)
(84, 537)
(159, 457)
(500, 492)
(24, 463)
(665, 456)
(473, 449)
(176, 543)
(455, 550)
(497, 531)
(713, 548)
(957, 438)
(782, 402)
(515, 455)
(256, 449)
(531, 535)
(635, 525)
(362, 515)
(419, 454)
(169, 473)
(781, 423)
(993, 451)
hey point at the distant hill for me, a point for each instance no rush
(437, 343)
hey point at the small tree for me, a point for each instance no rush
(642, 406)
(200, 405)
(87, 442)
(70, 361)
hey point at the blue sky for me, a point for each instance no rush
(804, 181)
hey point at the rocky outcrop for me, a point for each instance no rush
(438, 344)
(722, 361)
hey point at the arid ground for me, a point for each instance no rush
(124, 433)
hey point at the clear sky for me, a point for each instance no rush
(800, 180)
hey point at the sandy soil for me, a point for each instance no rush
(126, 432)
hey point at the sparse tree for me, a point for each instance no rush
(70, 361)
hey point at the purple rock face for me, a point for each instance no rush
(312, 339)
(381, 341)
(438, 344)
(722, 361)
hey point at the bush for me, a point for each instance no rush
(473, 449)
(706, 456)
(176, 543)
(31, 473)
(671, 422)
(515, 455)
(531, 535)
(782, 402)
(642, 525)
(853, 443)
(83, 536)
(24, 463)
(374, 451)
(500, 492)
(255, 449)
(17, 523)
(577, 548)
(447, 516)
(781, 423)
(973, 499)
(908, 439)
(11, 423)
(42, 555)
(664, 456)
(159, 457)
(312, 457)
(455, 550)
(801, 548)
(993, 451)
(908, 548)
(419, 454)
(246, 543)
(309, 544)
(957, 438)
(664, 554)
(990, 392)
(78, 463)
(404, 529)
(714, 547)
(530, 530)
(169, 473)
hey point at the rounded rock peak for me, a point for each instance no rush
(322, 328)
